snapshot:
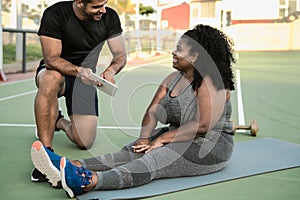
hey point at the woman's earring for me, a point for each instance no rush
(195, 57)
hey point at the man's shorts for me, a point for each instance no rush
(80, 98)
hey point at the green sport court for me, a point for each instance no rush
(269, 92)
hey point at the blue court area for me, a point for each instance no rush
(269, 87)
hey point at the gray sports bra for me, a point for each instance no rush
(179, 110)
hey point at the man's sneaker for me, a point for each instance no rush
(37, 176)
(74, 179)
(60, 115)
(47, 163)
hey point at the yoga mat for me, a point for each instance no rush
(250, 158)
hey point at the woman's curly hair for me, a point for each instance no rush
(215, 56)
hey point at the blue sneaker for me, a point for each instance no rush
(47, 162)
(74, 179)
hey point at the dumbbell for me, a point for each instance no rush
(252, 127)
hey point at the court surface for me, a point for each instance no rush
(269, 92)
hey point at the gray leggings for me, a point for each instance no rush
(126, 169)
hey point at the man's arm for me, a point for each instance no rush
(51, 49)
(118, 50)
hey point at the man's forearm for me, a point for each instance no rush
(117, 64)
(63, 66)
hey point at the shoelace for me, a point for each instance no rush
(85, 176)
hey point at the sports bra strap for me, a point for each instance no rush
(177, 78)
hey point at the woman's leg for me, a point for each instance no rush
(203, 156)
(200, 157)
(112, 160)
(172, 160)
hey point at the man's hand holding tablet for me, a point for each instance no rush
(107, 87)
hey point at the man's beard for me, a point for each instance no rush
(91, 16)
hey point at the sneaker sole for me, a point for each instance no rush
(68, 190)
(43, 163)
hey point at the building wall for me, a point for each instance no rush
(238, 11)
(265, 37)
(295, 32)
(254, 9)
(178, 17)
(212, 21)
(258, 11)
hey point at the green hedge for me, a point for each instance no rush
(33, 53)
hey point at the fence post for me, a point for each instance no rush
(24, 53)
(23, 31)
(2, 74)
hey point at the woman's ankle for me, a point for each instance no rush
(77, 163)
(94, 181)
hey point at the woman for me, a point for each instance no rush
(195, 103)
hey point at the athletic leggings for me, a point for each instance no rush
(126, 169)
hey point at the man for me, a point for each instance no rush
(72, 34)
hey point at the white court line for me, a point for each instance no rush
(241, 115)
(17, 95)
(26, 93)
(100, 127)
(119, 127)
(15, 82)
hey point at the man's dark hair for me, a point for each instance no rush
(86, 1)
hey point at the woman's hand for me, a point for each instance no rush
(154, 144)
(141, 145)
(145, 146)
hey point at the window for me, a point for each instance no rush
(195, 10)
(208, 9)
(282, 2)
(292, 6)
(281, 12)
(287, 7)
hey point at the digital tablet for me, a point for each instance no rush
(107, 87)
